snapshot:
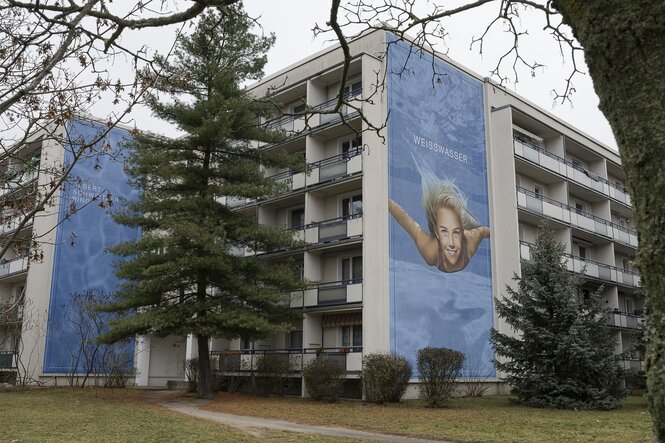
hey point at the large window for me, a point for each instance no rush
(352, 205)
(295, 340)
(353, 88)
(296, 217)
(352, 269)
(351, 146)
(353, 336)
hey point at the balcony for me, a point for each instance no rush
(246, 360)
(294, 125)
(634, 364)
(572, 216)
(11, 313)
(13, 266)
(12, 224)
(19, 180)
(624, 320)
(345, 110)
(334, 229)
(591, 268)
(329, 294)
(8, 359)
(568, 169)
(331, 168)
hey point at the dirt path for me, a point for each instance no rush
(250, 424)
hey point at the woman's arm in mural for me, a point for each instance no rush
(473, 238)
(426, 243)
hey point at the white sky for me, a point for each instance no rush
(292, 22)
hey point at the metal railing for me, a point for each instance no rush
(14, 265)
(8, 360)
(246, 360)
(329, 105)
(334, 228)
(11, 313)
(336, 166)
(594, 178)
(336, 292)
(619, 319)
(604, 271)
(601, 226)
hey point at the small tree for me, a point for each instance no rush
(385, 377)
(562, 355)
(438, 369)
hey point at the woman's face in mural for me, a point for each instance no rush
(449, 233)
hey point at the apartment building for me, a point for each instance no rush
(512, 165)
(392, 269)
(59, 253)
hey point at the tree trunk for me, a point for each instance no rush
(625, 52)
(205, 378)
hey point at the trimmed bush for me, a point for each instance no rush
(323, 378)
(438, 369)
(385, 377)
(272, 371)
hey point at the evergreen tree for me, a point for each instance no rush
(183, 276)
(562, 352)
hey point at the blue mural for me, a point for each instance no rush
(440, 260)
(85, 229)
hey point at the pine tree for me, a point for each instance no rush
(562, 352)
(183, 276)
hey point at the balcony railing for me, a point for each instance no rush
(246, 360)
(11, 313)
(591, 268)
(633, 364)
(14, 265)
(12, 224)
(345, 110)
(293, 125)
(618, 319)
(572, 216)
(328, 169)
(18, 181)
(334, 229)
(329, 294)
(566, 168)
(8, 359)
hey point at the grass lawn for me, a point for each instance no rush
(493, 419)
(106, 415)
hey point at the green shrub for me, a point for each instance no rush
(438, 369)
(323, 378)
(272, 371)
(385, 377)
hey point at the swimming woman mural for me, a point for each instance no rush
(454, 232)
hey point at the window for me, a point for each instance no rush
(538, 190)
(245, 343)
(579, 207)
(352, 269)
(299, 108)
(353, 88)
(295, 340)
(352, 205)
(351, 146)
(296, 218)
(626, 264)
(353, 336)
(582, 252)
(630, 307)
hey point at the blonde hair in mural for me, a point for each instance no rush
(442, 193)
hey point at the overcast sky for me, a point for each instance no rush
(292, 22)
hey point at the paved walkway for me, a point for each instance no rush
(249, 423)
